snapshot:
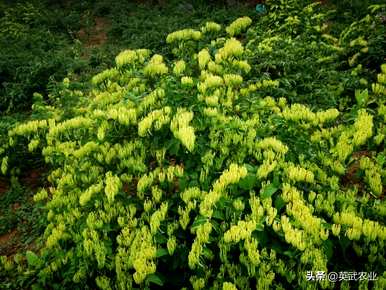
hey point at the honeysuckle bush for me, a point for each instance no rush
(321, 63)
(190, 173)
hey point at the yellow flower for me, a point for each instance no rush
(113, 185)
(171, 245)
(241, 231)
(125, 57)
(232, 48)
(239, 25)
(155, 66)
(232, 79)
(187, 81)
(211, 27)
(179, 67)
(181, 129)
(4, 165)
(183, 35)
(228, 286)
(363, 128)
(296, 173)
(242, 65)
(203, 58)
(157, 217)
(273, 143)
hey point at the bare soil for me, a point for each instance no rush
(9, 243)
(96, 35)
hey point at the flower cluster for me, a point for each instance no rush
(241, 231)
(211, 27)
(183, 35)
(187, 81)
(179, 67)
(210, 81)
(363, 128)
(113, 185)
(203, 58)
(156, 66)
(181, 129)
(230, 176)
(239, 25)
(231, 80)
(202, 237)
(292, 235)
(371, 230)
(296, 173)
(105, 76)
(273, 143)
(151, 99)
(228, 286)
(28, 128)
(156, 118)
(372, 175)
(128, 57)
(298, 112)
(232, 48)
(142, 253)
(89, 193)
(157, 217)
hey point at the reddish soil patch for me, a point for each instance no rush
(97, 35)
(16, 206)
(130, 188)
(4, 186)
(351, 176)
(359, 154)
(32, 178)
(8, 243)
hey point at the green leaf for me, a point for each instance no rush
(207, 253)
(161, 252)
(361, 97)
(262, 238)
(155, 279)
(182, 183)
(248, 182)
(289, 253)
(260, 227)
(218, 215)
(250, 168)
(344, 243)
(279, 203)
(381, 159)
(173, 146)
(199, 221)
(268, 191)
(328, 248)
(276, 180)
(32, 258)
(326, 226)
(160, 239)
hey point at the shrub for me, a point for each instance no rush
(185, 173)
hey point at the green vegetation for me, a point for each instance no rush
(231, 155)
(43, 41)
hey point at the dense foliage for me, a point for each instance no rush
(245, 158)
(43, 41)
(32, 54)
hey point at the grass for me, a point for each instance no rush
(20, 218)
